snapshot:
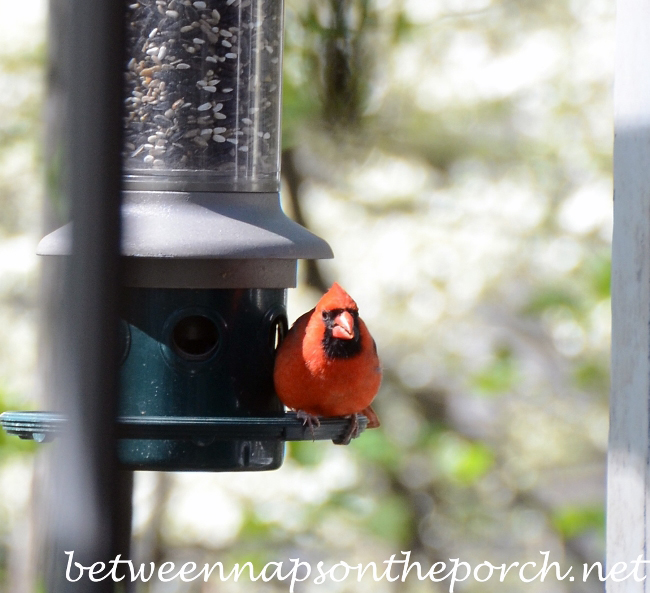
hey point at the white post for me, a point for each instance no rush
(628, 511)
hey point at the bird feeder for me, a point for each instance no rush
(208, 254)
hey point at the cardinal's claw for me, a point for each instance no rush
(352, 431)
(308, 420)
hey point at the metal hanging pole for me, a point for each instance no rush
(90, 498)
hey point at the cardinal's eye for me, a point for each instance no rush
(325, 315)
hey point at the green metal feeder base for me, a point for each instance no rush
(255, 442)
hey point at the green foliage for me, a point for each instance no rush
(307, 453)
(592, 375)
(461, 460)
(376, 448)
(402, 29)
(499, 376)
(552, 297)
(9, 444)
(253, 528)
(24, 123)
(391, 520)
(296, 110)
(598, 270)
(20, 131)
(572, 521)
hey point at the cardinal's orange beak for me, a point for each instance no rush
(343, 326)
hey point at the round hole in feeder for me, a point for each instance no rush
(195, 337)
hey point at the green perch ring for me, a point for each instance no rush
(44, 426)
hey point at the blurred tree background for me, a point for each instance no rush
(456, 154)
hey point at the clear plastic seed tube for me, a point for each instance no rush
(203, 92)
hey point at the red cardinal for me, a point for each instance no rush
(328, 365)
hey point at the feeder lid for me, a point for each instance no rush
(204, 225)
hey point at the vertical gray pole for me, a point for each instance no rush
(628, 520)
(86, 94)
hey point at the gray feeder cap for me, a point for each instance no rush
(196, 239)
(204, 225)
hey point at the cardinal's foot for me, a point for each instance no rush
(351, 432)
(308, 420)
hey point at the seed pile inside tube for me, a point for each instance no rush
(202, 86)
